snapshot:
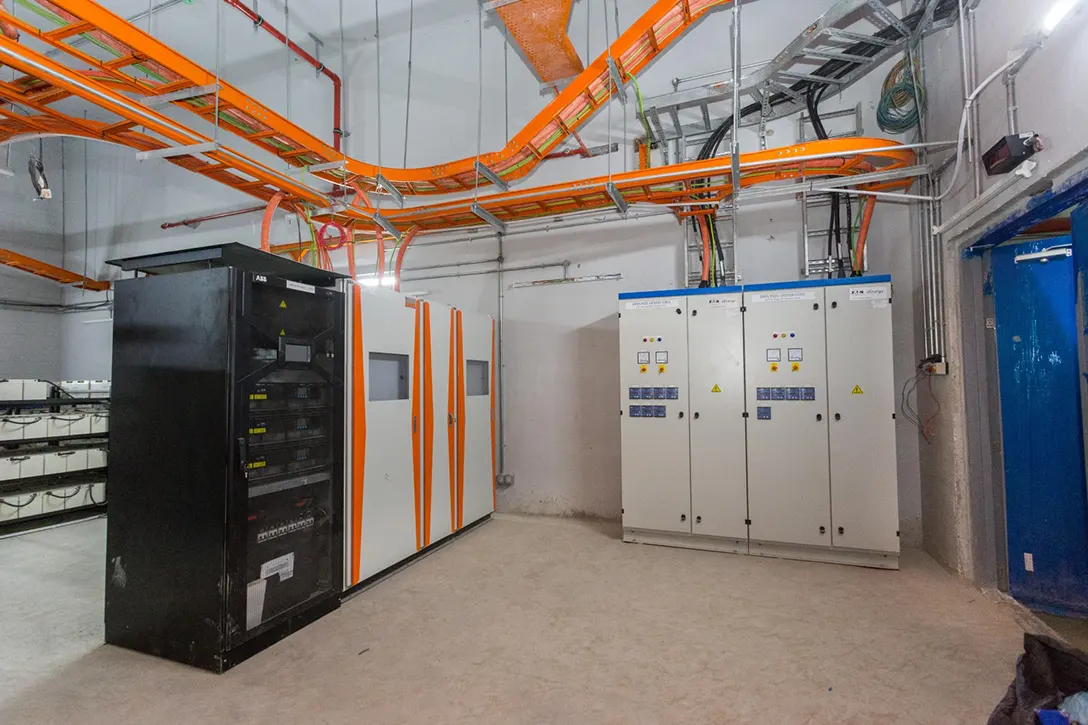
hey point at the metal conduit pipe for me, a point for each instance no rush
(194, 221)
(337, 91)
(520, 268)
(558, 225)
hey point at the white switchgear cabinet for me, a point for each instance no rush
(787, 442)
(420, 427)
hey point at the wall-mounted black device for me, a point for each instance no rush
(1010, 152)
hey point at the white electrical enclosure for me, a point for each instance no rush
(780, 440)
(419, 427)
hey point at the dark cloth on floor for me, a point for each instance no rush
(1046, 674)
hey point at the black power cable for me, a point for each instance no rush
(814, 92)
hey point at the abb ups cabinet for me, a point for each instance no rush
(226, 456)
(760, 420)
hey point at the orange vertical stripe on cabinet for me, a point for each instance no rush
(452, 416)
(415, 425)
(358, 433)
(460, 422)
(428, 423)
(494, 462)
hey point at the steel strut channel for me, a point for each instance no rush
(650, 35)
(789, 66)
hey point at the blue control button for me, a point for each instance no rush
(659, 411)
(660, 393)
(763, 413)
(673, 393)
(634, 393)
(808, 393)
(793, 393)
(763, 393)
(635, 411)
(778, 393)
(647, 393)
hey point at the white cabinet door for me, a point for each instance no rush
(788, 486)
(719, 486)
(476, 423)
(861, 403)
(653, 423)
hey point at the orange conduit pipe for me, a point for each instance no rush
(405, 241)
(703, 229)
(266, 223)
(863, 233)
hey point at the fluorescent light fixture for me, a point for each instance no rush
(371, 280)
(1057, 13)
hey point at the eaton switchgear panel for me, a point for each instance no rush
(782, 440)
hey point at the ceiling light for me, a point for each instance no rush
(372, 281)
(1057, 13)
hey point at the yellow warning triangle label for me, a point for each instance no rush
(282, 333)
(283, 304)
(857, 390)
(716, 388)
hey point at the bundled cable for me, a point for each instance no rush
(37, 177)
(898, 110)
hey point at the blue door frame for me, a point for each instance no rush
(1046, 502)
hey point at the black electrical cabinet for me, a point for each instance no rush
(226, 463)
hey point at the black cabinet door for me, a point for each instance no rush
(284, 547)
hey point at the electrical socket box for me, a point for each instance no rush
(788, 448)
(939, 367)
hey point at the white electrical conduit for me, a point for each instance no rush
(963, 124)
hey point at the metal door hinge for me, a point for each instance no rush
(744, 414)
(748, 522)
(743, 308)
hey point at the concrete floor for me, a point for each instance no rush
(535, 620)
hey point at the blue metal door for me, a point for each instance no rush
(1035, 299)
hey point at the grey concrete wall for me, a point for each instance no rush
(30, 342)
(959, 523)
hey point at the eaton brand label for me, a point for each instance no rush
(864, 294)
